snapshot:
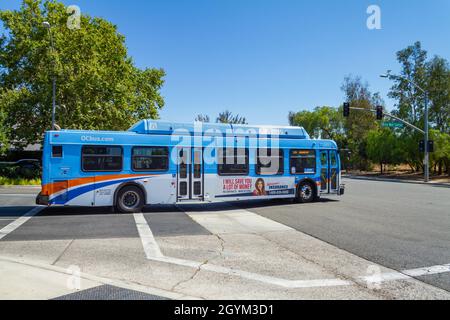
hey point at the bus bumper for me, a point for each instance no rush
(337, 192)
(42, 200)
(341, 191)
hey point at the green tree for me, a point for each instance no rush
(441, 156)
(410, 146)
(228, 117)
(411, 101)
(202, 118)
(434, 77)
(4, 144)
(359, 123)
(383, 147)
(323, 122)
(438, 87)
(98, 85)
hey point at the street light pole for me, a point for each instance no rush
(427, 153)
(48, 26)
(426, 161)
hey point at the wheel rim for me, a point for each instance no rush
(130, 199)
(306, 192)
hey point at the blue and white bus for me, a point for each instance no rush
(159, 162)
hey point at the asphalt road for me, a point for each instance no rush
(397, 225)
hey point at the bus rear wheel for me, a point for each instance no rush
(305, 192)
(130, 199)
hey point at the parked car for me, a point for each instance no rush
(24, 168)
(28, 164)
(28, 168)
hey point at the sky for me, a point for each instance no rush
(264, 58)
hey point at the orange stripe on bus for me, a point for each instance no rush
(55, 187)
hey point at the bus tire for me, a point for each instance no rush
(130, 199)
(306, 192)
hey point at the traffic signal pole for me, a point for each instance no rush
(425, 132)
(427, 147)
(426, 161)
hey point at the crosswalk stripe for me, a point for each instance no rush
(19, 221)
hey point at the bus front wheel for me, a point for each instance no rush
(130, 199)
(305, 192)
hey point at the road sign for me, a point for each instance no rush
(392, 125)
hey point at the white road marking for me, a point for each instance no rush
(276, 281)
(153, 253)
(408, 274)
(428, 271)
(151, 248)
(18, 222)
(238, 221)
(285, 283)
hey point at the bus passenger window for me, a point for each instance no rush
(233, 162)
(269, 162)
(303, 161)
(101, 159)
(150, 158)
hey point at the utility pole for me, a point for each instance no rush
(427, 150)
(48, 26)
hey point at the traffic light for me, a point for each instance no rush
(421, 146)
(379, 113)
(430, 146)
(346, 110)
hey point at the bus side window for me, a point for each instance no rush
(233, 161)
(150, 158)
(57, 152)
(303, 161)
(269, 162)
(101, 158)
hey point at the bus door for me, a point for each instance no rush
(329, 171)
(190, 174)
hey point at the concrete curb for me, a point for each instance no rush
(436, 184)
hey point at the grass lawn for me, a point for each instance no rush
(19, 182)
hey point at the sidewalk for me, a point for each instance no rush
(30, 280)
